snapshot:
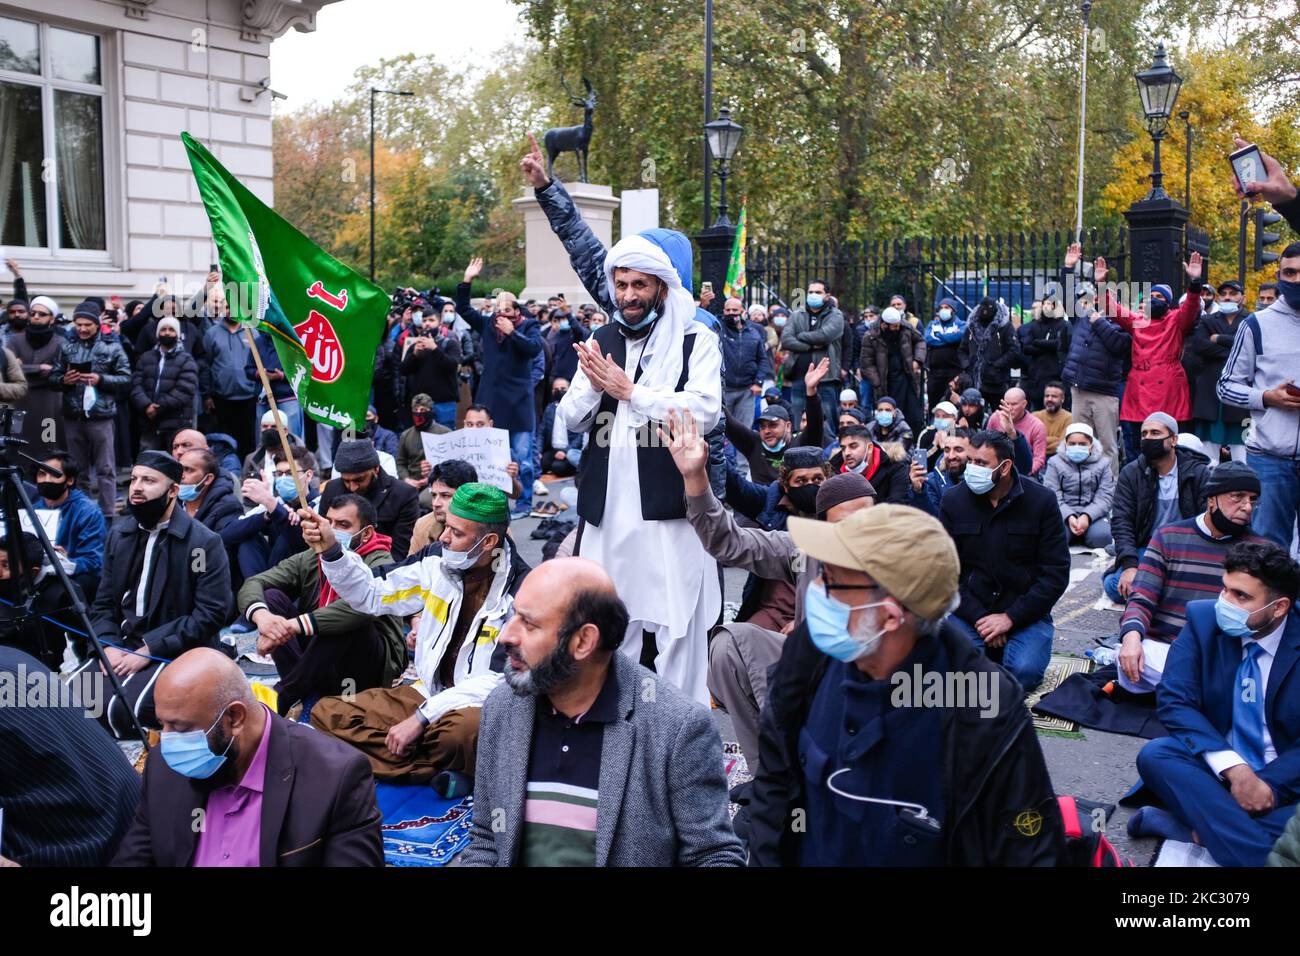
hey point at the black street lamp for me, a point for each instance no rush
(1158, 87)
(723, 136)
(373, 91)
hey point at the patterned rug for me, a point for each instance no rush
(736, 769)
(421, 828)
(1060, 667)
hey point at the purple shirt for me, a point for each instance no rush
(233, 821)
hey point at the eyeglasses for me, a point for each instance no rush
(830, 587)
(41, 314)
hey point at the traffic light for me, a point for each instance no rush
(1264, 238)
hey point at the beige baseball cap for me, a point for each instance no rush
(903, 549)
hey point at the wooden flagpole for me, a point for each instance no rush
(279, 423)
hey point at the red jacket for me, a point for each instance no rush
(1157, 382)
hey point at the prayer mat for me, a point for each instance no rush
(736, 769)
(1096, 700)
(1058, 669)
(420, 828)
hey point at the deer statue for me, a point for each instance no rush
(562, 139)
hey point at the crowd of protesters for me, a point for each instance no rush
(903, 493)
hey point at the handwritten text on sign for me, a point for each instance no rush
(487, 449)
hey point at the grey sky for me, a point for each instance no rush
(319, 66)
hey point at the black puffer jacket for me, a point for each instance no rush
(1134, 516)
(1211, 356)
(989, 348)
(1045, 344)
(108, 361)
(994, 775)
(169, 379)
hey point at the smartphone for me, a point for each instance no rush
(706, 287)
(1293, 390)
(213, 267)
(1247, 166)
(919, 458)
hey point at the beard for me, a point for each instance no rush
(550, 673)
(225, 774)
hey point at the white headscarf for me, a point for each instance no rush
(661, 362)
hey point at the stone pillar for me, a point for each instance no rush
(1156, 241)
(546, 262)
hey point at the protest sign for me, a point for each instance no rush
(487, 449)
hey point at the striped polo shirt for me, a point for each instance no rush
(1183, 562)
(564, 781)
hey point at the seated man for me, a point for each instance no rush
(927, 490)
(412, 467)
(320, 644)
(740, 653)
(793, 492)
(1015, 564)
(268, 532)
(206, 493)
(561, 452)
(81, 531)
(165, 589)
(1015, 405)
(396, 503)
(1054, 417)
(444, 478)
(936, 785)
(764, 445)
(886, 469)
(1183, 563)
(577, 714)
(269, 792)
(67, 790)
(1080, 477)
(945, 420)
(1229, 771)
(889, 425)
(258, 464)
(1164, 485)
(466, 595)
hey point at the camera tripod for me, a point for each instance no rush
(14, 500)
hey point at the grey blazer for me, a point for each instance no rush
(663, 794)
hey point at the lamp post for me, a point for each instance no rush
(1157, 222)
(708, 104)
(723, 136)
(1186, 117)
(373, 91)
(1158, 86)
(1085, 10)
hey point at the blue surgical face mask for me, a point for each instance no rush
(979, 479)
(285, 488)
(564, 323)
(773, 449)
(943, 424)
(778, 321)
(884, 419)
(1227, 308)
(189, 754)
(828, 626)
(815, 302)
(1232, 619)
(1077, 453)
(417, 320)
(344, 538)
(945, 314)
(189, 492)
(461, 560)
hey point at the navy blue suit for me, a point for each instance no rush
(1194, 702)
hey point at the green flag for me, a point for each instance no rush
(736, 281)
(325, 320)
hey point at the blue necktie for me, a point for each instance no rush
(1247, 736)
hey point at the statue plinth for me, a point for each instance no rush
(546, 262)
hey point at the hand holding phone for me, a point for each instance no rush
(1247, 167)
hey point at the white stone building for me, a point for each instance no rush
(96, 194)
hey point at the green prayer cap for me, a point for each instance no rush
(481, 502)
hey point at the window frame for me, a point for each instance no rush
(53, 253)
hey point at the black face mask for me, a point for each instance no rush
(149, 512)
(166, 341)
(558, 394)
(1153, 450)
(804, 498)
(1158, 308)
(17, 324)
(39, 335)
(1225, 525)
(270, 439)
(50, 490)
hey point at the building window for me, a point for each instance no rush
(51, 138)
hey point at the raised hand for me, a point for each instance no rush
(690, 452)
(815, 374)
(1072, 255)
(534, 166)
(1099, 270)
(1193, 267)
(473, 269)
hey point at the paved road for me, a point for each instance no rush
(1099, 766)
